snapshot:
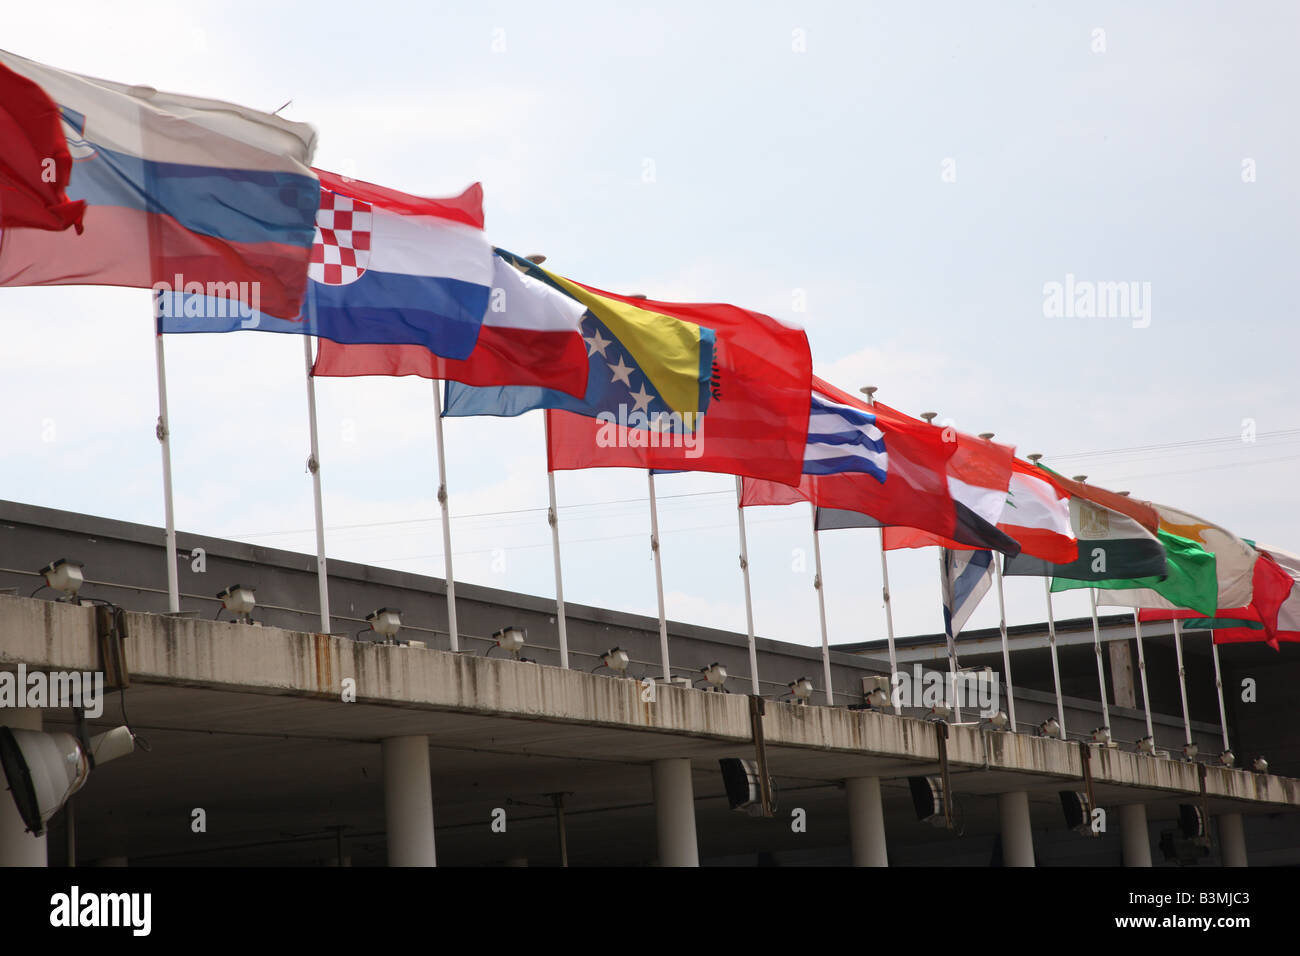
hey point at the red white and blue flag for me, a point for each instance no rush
(174, 186)
(387, 268)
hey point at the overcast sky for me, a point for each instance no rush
(901, 179)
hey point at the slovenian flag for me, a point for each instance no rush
(531, 336)
(174, 186)
(386, 268)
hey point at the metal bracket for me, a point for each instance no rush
(757, 707)
(442, 494)
(110, 629)
(160, 429)
(313, 466)
(550, 517)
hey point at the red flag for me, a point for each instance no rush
(35, 164)
(756, 423)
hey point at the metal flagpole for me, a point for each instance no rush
(749, 603)
(1056, 666)
(1101, 671)
(553, 516)
(163, 431)
(1218, 682)
(870, 392)
(313, 466)
(1006, 650)
(450, 575)
(659, 576)
(821, 608)
(1142, 670)
(1182, 676)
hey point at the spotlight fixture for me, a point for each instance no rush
(1147, 745)
(997, 720)
(1260, 765)
(65, 577)
(715, 675)
(801, 690)
(616, 659)
(239, 601)
(1051, 727)
(939, 712)
(875, 688)
(1190, 750)
(43, 770)
(511, 639)
(1102, 736)
(385, 621)
(1228, 758)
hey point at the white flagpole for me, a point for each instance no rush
(1142, 670)
(889, 622)
(449, 575)
(1056, 666)
(163, 431)
(1218, 682)
(749, 604)
(659, 576)
(1101, 671)
(821, 608)
(1182, 677)
(952, 639)
(1006, 650)
(870, 392)
(313, 466)
(553, 516)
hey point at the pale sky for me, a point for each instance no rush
(901, 179)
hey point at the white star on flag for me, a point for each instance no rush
(641, 400)
(597, 344)
(621, 372)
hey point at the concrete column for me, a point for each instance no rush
(1017, 833)
(17, 846)
(675, 811)
(1136, 847)
(1232, 839)
(866, 821)
(408, 802)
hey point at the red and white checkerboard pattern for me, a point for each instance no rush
(342, 248)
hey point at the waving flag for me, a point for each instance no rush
(531, 336)
(174, 186)
(726, 391)
(966, 577)
(1037, 515)
(35, 164)
(386, 268)
(842, 439)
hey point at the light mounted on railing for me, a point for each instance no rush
(939, 712)
(998, 720)
(1259, 765)
(616, 659)
(510, 639)
(876, 689)
(1146, 745)
(239, 601)
(715, 675)
(1051, 727)
(1228, 759)
(385, 621)
(801, 689)
(1191, 751)
(1101, 735)
(65, 577)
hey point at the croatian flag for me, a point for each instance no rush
(174, 186)
(842, 439)
(387, 268)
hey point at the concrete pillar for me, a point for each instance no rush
(1017, 833)
(408, 802)
(17, 846)
(1136, 846)
(674, 798)
(1232, 839)
(866, 821)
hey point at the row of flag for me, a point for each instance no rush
(218, 209)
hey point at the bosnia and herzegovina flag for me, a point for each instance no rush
(653, 366)
(172, 185)
(387, 268)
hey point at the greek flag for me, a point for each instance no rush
(841, 439)
(966, 578)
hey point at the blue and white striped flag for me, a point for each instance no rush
(842, 438)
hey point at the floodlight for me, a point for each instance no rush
(715, 674)
(1147, 745)
(44, 769)
(801, 690)
(877, 699)
(1051, 727)
(1260, 765)
(386, 621)
(1101, 735)
(65, 577)
(939, 712)
(616, 659)
(998, 720)
(1190, 750)
(1228, 758)
(511, 639)
(239, 601)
